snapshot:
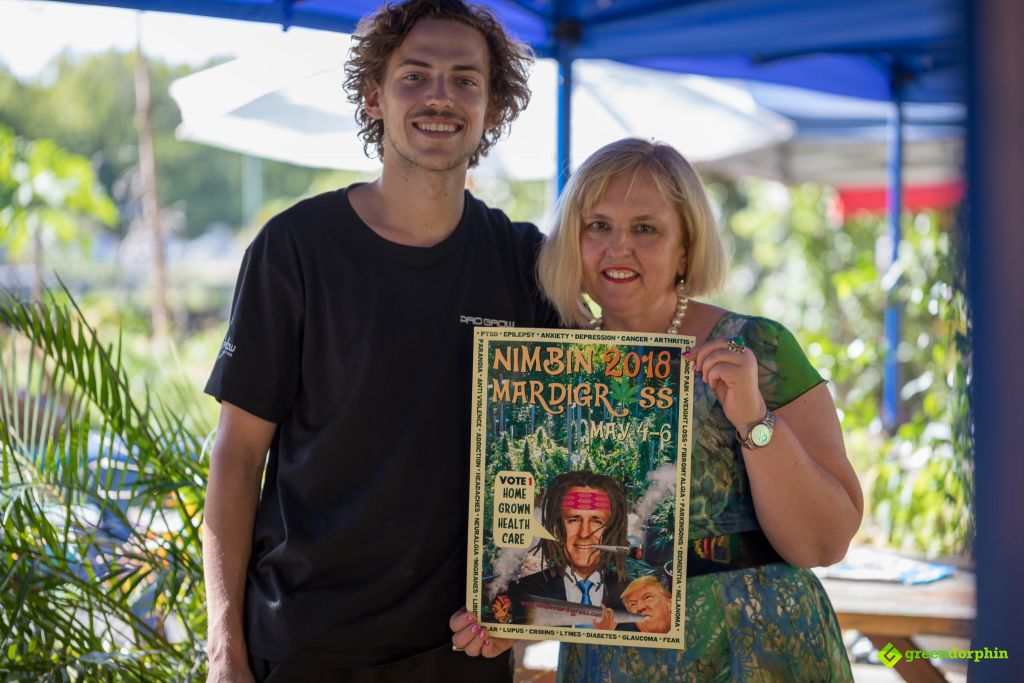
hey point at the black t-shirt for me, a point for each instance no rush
(360, 350)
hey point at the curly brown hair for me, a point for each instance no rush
(378, 35)
(614, 531)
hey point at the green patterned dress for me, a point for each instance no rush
(769, 623)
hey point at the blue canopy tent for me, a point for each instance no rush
(898, 51)
(854, 48)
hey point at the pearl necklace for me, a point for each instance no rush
(682, 301)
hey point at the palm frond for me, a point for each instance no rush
(100, 507)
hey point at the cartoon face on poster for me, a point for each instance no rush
(579, 470)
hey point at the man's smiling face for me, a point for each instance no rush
(434, 96)
(585, 512)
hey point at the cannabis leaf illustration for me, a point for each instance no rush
(624, 392)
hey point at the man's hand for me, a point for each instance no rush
(607, 620)
(473, 639)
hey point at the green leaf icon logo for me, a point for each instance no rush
(889, 655)
(624, 392)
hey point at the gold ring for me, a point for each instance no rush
(456, 648)
(737, 345)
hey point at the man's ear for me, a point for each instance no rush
(491, 118)
(371, 101)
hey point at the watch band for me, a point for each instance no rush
(748, 441)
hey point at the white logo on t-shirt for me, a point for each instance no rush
(227, 349)
(485, 322)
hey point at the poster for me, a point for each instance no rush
(578, 485)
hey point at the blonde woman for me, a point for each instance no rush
(770, 478)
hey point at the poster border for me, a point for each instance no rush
(482, 337)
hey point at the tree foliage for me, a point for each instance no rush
(47, 194)
(820, 277)
(87, 106)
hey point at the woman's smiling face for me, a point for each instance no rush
(631, 244)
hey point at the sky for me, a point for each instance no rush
(33, 33)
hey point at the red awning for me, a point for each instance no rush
(938, 197)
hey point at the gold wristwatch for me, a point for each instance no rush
(760, 433)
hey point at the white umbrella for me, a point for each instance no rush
(290, 106)
(847, 163)
(702, 118)
(843, 141)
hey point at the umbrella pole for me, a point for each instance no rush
(564, 140)
(894, 205)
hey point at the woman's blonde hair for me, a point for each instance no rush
(560, 266)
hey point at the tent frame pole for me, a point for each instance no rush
(564, 139)
(891, 417)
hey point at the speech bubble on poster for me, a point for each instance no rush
(514, 523)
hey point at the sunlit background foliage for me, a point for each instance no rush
(821, 277)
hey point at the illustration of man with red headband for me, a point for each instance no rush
(582, 510)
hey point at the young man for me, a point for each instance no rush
(348, 357)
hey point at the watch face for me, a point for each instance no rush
(761, 434)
